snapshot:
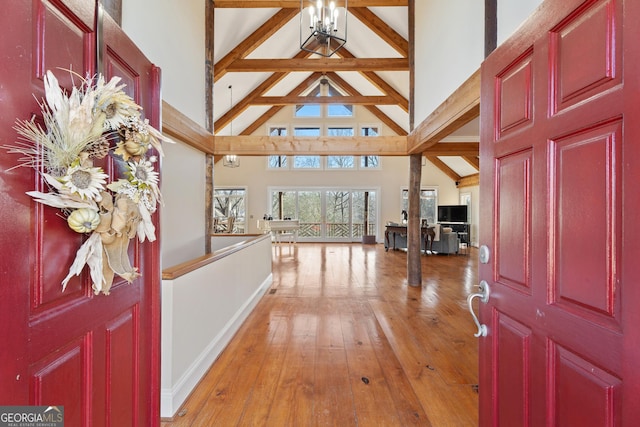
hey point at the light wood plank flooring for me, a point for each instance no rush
(341, 340)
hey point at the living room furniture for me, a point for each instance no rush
(394, 230)
(460, 228)
(436, 238)
(281, 229)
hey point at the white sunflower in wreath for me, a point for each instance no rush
(78, 128)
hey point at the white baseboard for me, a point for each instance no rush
(172, 398)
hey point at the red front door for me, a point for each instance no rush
(98, 356)
(560, 150)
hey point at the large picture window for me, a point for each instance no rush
(328, 214)
(428, 204)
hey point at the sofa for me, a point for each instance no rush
(445, 241)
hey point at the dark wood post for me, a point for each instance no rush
(414, 235)
(490, 26)
(209, 123)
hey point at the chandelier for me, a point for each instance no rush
(323, 27)
(231, 161)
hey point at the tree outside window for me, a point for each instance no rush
(229, 203)
(428, 204)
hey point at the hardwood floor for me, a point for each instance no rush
(341, 340)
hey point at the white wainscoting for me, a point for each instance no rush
(202, 310)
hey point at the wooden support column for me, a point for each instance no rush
(414, 235)
(490, 26)
(208, 87)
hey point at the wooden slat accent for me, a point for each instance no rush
(346, 100)
(469, 181)
(248, 45)
(179, 126)
(334, 344)
(320, 64)
(444, 168)
(453, 149)
(229, 4)
(323, 145)
(382, 29)
(457, 110)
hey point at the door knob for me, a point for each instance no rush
(483, 287)
(485, 254)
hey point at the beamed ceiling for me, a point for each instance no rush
(259, 69)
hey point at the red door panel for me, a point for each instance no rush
(559, 149)
(98, 356)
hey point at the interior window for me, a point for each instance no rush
(277, 162)
(306, 162)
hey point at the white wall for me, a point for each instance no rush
(171, 34)
(511, 14)
(182, 225)
(449, 46)
(202, 310)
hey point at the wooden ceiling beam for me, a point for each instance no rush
(182, 128)
(382, 29)
(372, 108)
(275, 109)
(473, 161)
(347, 100)
(456, 111)
(443, 167)
(245, 103)
(234, 4)
(379, 82)
(453, 149)
(320, 64)
(469, 181)
(248, 45)
(322, 145)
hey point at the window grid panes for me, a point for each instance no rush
(428, 204)
(306, 162)
(278, 162)
(369, 161)
(229, 203)
(340, 162)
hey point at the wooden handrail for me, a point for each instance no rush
(176, 271)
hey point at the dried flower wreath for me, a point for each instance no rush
(78, 129)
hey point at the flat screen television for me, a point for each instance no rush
(452, 213)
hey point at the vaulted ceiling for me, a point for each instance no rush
(259, 69)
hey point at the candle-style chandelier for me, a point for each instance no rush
(323, 27)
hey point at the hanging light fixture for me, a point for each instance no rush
(231, 160)
(323, 27)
